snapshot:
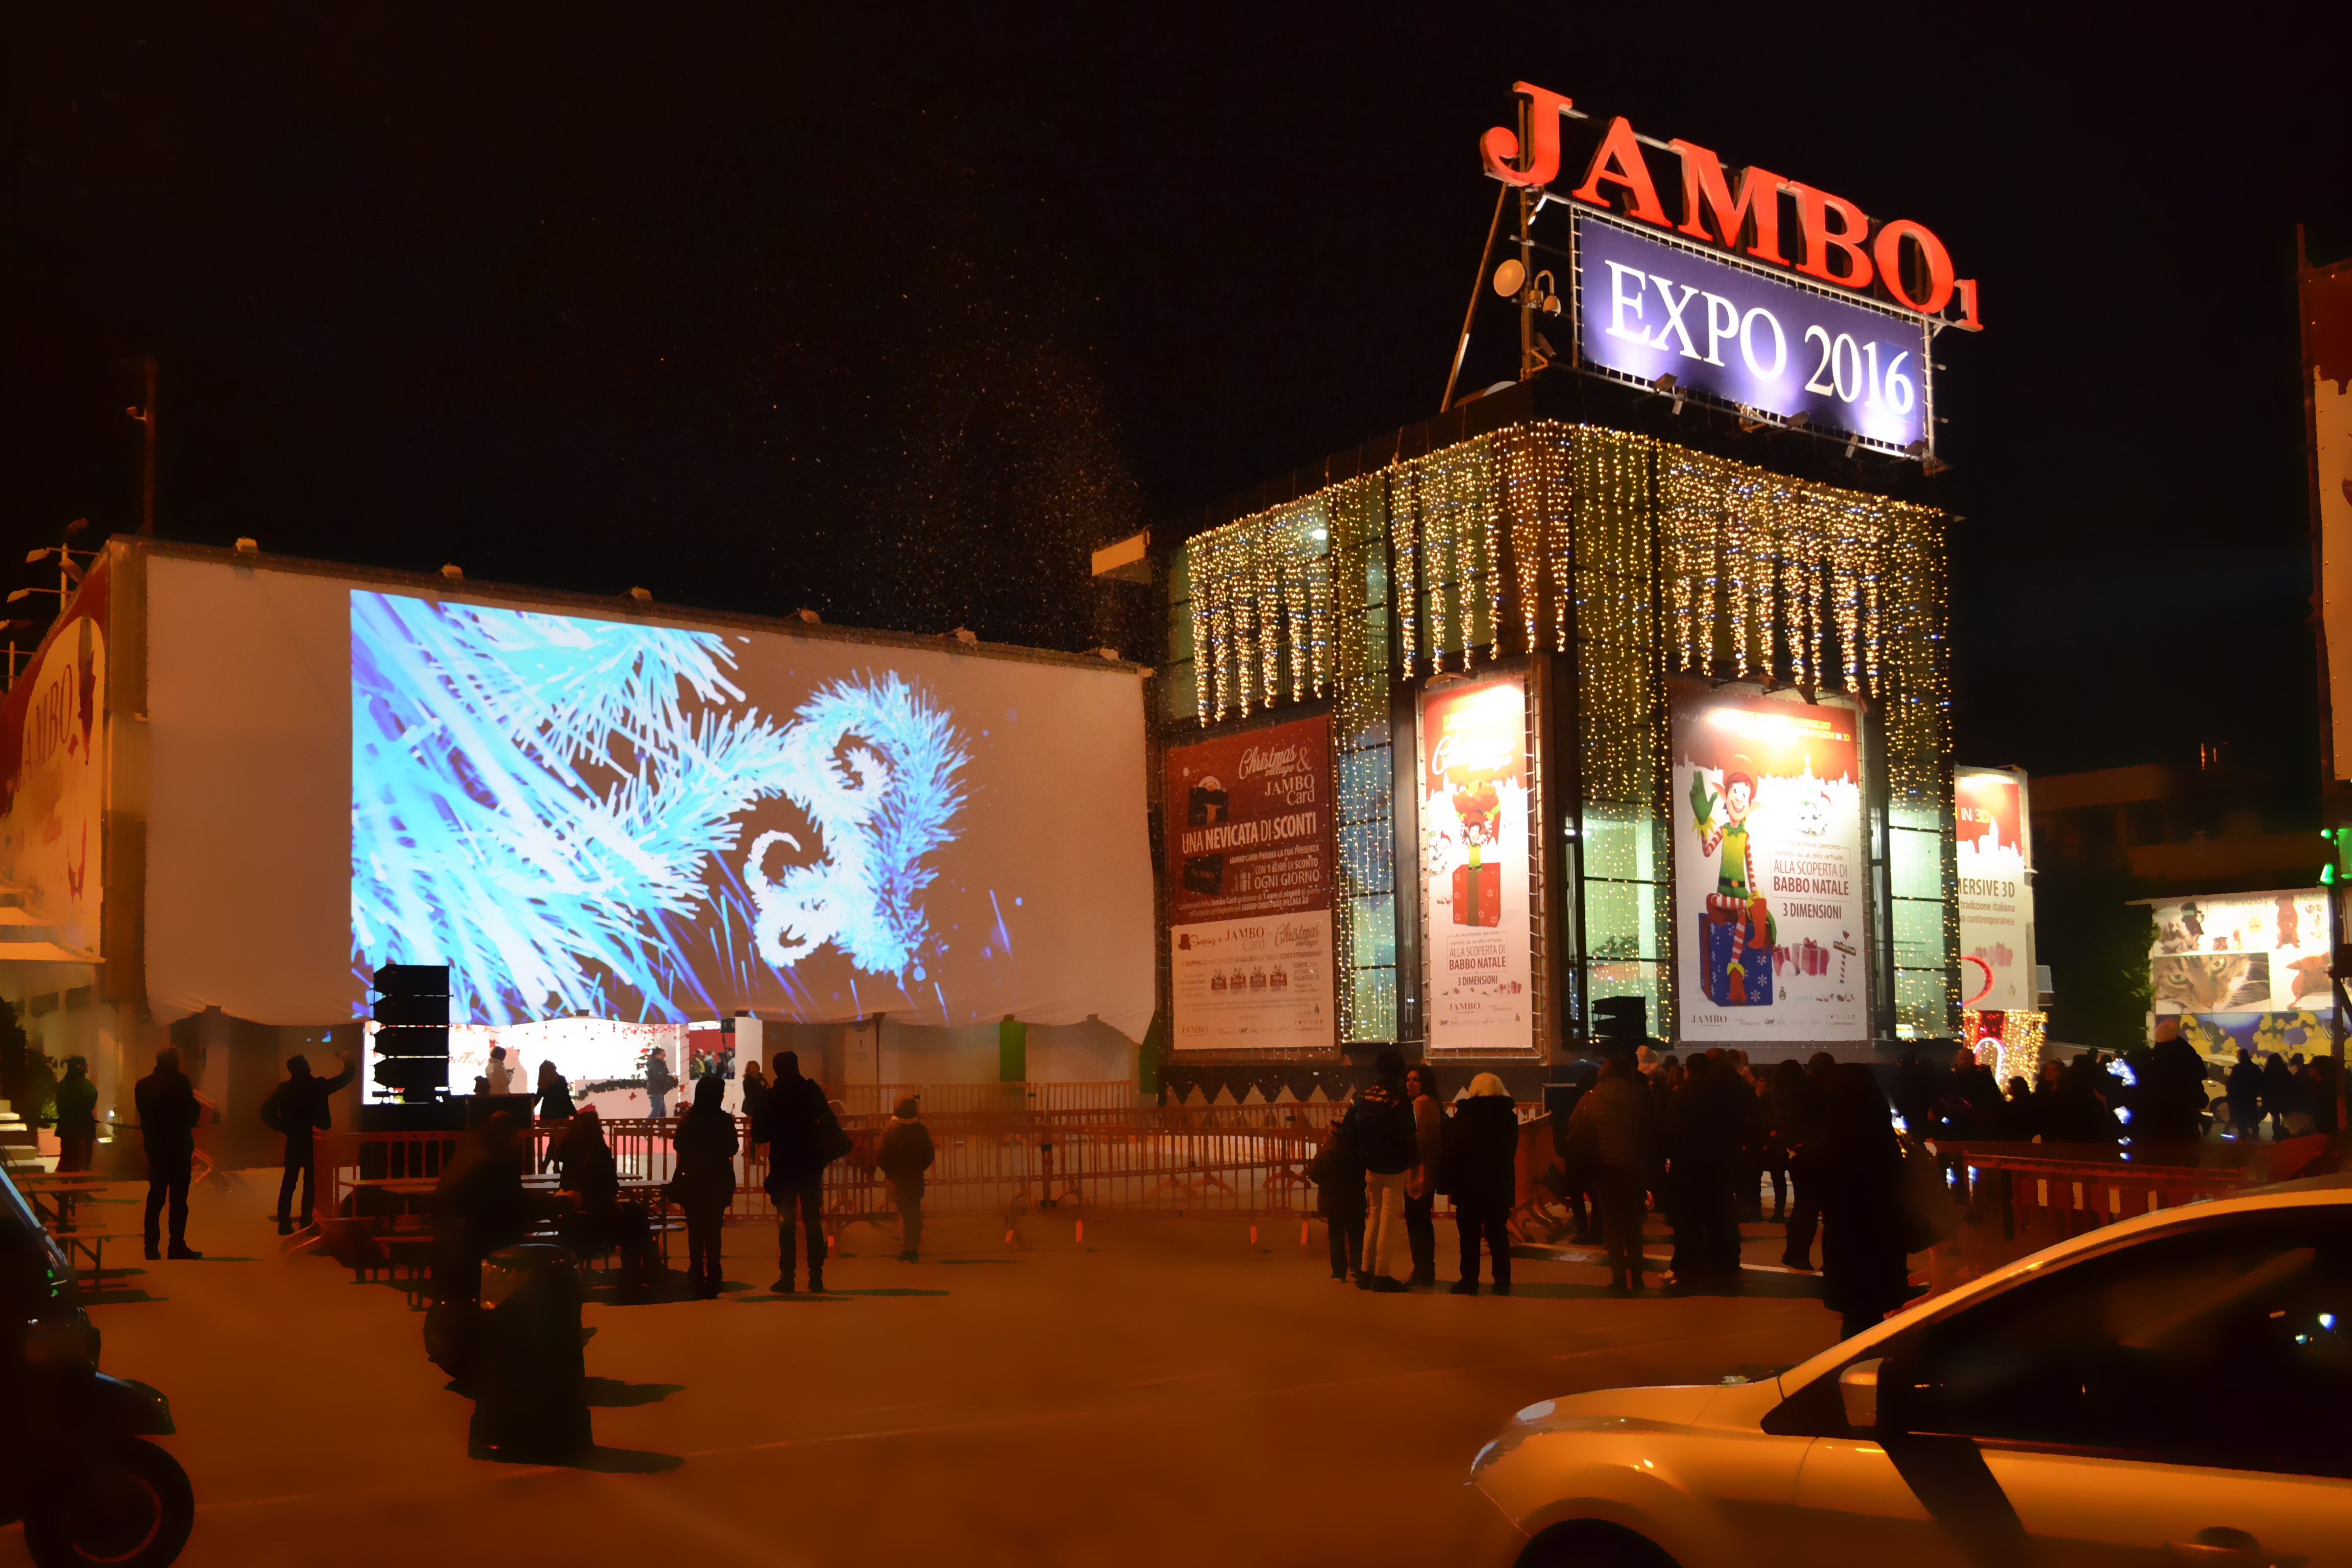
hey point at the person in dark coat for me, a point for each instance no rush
(2172, 1095)
(76, 1103)
(803, 1137)
(2245, 1087)
(588, 1172)
(659, 1081)
(1796, 1113)
(1339, 1174)
(298, 1108)
(755, 1090)
(479, 1206)
(1614, 1147)
(1481, 1150)
(905, 1155)
(704, 1183)
(1421, 1182)
(1380, 1121)
(1703, 1125)
(2278, 1094)
(1864, 1273)
(168, 1114)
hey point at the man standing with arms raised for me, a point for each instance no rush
(297, 1108)
(168, 1114)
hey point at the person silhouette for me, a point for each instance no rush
(297, 1108)
(168, 1113)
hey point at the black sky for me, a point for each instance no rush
(891, 312)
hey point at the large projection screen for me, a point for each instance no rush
(608, 818)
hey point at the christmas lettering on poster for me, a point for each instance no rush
(1473, 817)
(1249, 879)
(1769, 869)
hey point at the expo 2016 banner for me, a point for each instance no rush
(1249, 879)
(1769, 870)
(1474, 824)
(1996, 904)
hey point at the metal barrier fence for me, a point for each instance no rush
(2017, 1198)
(999, 1150)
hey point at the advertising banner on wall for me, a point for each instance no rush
(2243, 969)
(1770, 876)
(1996, 904)
(1250, 835)
(1474, 824)
(53, 773)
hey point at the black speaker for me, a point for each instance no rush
(412, 1038)
(1621, 1018)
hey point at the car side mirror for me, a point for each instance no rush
(1858, 1390)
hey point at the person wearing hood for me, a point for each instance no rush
(298, 1108)
(1482, 1149)
(906, 1153)
(705, 1184)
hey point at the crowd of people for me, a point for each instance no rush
(1696, 1138)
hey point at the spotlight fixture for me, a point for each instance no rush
(452, 572)
(1798, 421)
(248, 547)
(1509, 276)
(1851, 442)
(965, 635)
(811, 617)
(642, 595)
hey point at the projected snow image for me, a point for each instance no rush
(589, 817)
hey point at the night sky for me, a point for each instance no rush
(892, 313)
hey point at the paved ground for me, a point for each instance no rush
(1163, 1393)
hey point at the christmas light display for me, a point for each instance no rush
(1649, 558)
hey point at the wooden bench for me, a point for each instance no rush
(90, 1240)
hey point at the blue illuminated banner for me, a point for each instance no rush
(1651, 308)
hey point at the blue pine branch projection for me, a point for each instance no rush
(542, 802)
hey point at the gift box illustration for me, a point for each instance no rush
(1478, 895)
(1735, 962)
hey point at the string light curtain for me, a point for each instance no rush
(1663, 558)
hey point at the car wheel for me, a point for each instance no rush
(1592, 1543)
(130, 1506)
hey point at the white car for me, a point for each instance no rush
(2173, 1389)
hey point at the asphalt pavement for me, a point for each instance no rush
(1160, 1390)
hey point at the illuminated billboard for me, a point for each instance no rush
(1989, 811)
(1651, 307)
(1475, 838)
(1249, 891)
(2243, 969)
(1771, 918)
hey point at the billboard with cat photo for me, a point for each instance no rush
(2239, 953)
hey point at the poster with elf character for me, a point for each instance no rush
(1769, 869)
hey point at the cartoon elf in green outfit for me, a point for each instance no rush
(1735, 900)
